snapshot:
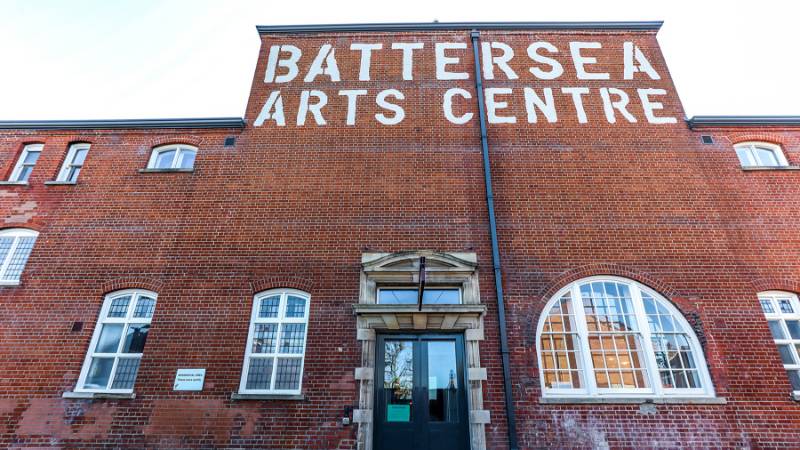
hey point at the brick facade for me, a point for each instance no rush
(296, 206)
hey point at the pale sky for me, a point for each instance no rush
(111, 59)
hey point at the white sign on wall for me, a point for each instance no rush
(189, 380)
(572, 73)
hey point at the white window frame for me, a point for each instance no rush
(66, 168)
(752, 155)
(280, 320)
(125, 321)
(781, 317)
(14, 178)
(415, 288)
(180, 150)
(589, 382)
(17, 234)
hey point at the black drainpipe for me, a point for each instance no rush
(498, 279)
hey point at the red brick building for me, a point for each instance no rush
(624, 277)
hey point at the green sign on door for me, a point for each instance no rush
(398, 413)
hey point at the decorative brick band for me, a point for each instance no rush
(175, 139)
(608, 269)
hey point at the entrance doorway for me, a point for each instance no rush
(420, 391)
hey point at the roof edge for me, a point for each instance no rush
(433, 26)
(205, 122)
(742, 121)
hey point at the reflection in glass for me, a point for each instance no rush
(135, 338)
(398, 376)
(109, 339)
(442, 381)
(99, 372)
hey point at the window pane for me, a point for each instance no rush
(5, 246)
(109, 338)
(614, 341)
(99, 373)
(187, 159)
(794, 378)
(264, 337)
(786, 306)
(745, 157)
(794, 328)
(259, 374)
(119, 307)
(31, 157)
(560, 347)
(292, 337)
(288, 373)
(787, 355)
(269, 307)
(24, 173)
(442, 381)
(766, 157)
(398, 379)
(397, 296)
(135, 338)
(295, 307)
(19, 258)
(144, 308)
(776, 329)
(72, 174)
(164, 159)
(410, 296)
(80, 156)
(125, 375)
(766, 306)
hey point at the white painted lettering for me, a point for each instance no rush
(633, 56)
(577, 99)
(620, 104)
(650, 106)
(408, 56)
(326, 57)
(399, 113)
(366, 58)
(492, 105)
(274, 101)
(581, 61)
(556, 69)
(546, 106)
(442, 61)
(274, 61)
(501, 61)
(448, 106)
(315, 108)
(352, 99)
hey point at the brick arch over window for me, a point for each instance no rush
(776, 284)
(140, 282)
(281, 281)
(609, 269)
(189, 139)
(762, 136)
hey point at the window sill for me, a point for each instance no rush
(9, 283)
(634, 400)
(237, 396)
(757, 168)
(166, 170)
(98, 395)
(60, 183)
(13, 183)
(795, 396)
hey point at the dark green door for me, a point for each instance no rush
(421, 395)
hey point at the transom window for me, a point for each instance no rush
(26, 163)
(276, 343)
(15, 248)
(783, 317)
(609, 336)
(73, 163)
(115, 351)
(173, 156)
(760, 154)
(410, 296)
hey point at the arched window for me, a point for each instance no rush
(276, 343)
(760, 154)
(783, 317)
(610, 336)
(15, 248)
(117, 345)
(173, 157)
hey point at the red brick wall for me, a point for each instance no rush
(296, 207)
